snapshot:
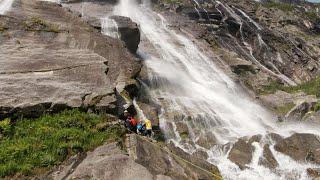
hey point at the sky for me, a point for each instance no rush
(317, 1)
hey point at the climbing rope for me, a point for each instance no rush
(186, 161)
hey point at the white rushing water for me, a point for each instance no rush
(193, 90)
(5, 5)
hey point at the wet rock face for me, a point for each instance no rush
(300, 110)
(273, 137)
(207, 140)
(285, 1)
(268, 160)
(314, 172)
(129, 32)
(159, 161)
(273, 40)
(301, 147)
(76, 1)
(241, 153)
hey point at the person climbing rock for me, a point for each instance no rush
(131, 123)
(148, 127)
(141, 128)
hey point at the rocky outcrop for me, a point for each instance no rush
(285, 1)
(301, 147)
(241, 153)
(94, 12)
(207, 140)
(52, 60)
(292, 106)
(129, 32)
(105, 162)
(267, 159)
(143, 160)
(173, 162)
(300, 110)
(314, 172)
(271, 44)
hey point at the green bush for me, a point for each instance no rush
(50, 139)
(172, 1)
(316, 108)
(313, 16)
(311, 87)
(5, 127)
(285, 109)
(282, 6)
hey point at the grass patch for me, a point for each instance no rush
(184, 135)
(2, 28)
(171, 1)
(316, 108)
(29, 145)
(282, 6)
(311, 87)
(313, 16)
(284, 109)
(38, 24)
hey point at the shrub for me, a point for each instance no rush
(285, 109)
(316, 108)
(5, 127)
(282, 6)
(311, 87)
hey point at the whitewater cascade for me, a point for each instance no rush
(5, 5)
(192, 90)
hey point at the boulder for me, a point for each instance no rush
(162, 177)
(268, 160)
(301, 147)
(281, 98)
(207, 140)
(300, 110)
(200, 154)
(129, 32)
(256, 138)
(273, 137)
(313, 117)
(183, 130)
(241, 153)
(105, 162)
(53, 60)
(314, 172)
(172, 161)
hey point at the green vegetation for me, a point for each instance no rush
(184, 135)
(313, 16)
(31, 146)
(282, 6)
(2, 28)
(284, 109)
(38, 24)
(172, 1)
(311, 87)
(316, 108)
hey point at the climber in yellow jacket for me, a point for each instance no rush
(148, 125)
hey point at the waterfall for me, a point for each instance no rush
(5, 5)
(192, 90)
(109, 27)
